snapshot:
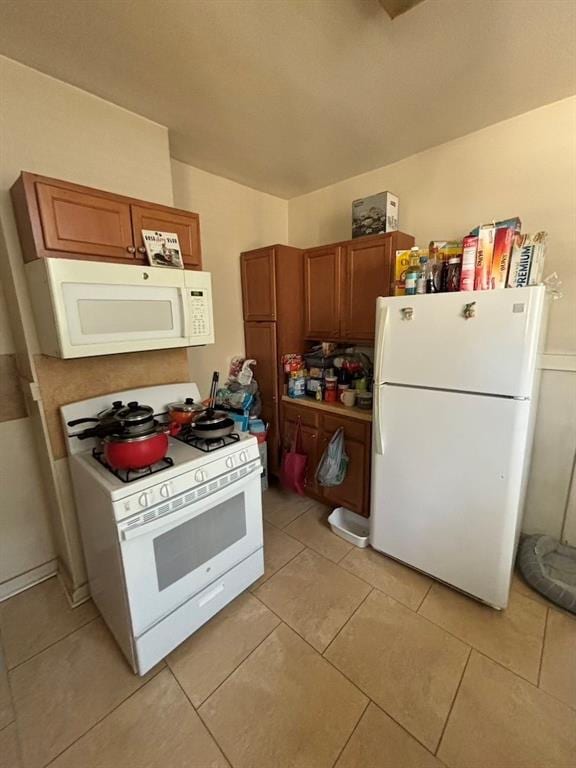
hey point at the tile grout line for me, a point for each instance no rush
(424, 598)
(453, 702)
(470, 644)
(309, 644)
(267, 579)
(221, 683)
(204, 723)
(354, 612)
(352, 732)
(546, 619)
(51, 645)
(345, 676)
(117, 706)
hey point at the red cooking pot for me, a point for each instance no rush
(140, 451)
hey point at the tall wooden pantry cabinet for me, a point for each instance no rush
(273, 300)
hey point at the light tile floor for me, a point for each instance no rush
(335, 657)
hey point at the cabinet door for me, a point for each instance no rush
(185, 224)
(352, 492)
(258, 270)
(260, 339)
(81, 223)
(322, 293)
(367, 275)
(309, 446)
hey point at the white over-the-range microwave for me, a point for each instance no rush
(86, 308)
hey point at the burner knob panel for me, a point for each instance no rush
(200, 476)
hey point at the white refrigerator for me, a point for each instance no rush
(455, 390)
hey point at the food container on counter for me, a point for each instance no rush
(330, 392)
(364, 400)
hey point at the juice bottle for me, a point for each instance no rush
(413, 272)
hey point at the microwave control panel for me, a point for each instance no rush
(199, 313)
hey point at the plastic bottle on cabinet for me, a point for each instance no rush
(421, 279)
(413, 272)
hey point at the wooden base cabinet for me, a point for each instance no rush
(318, 427)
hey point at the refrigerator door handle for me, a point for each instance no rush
(378, 436)
(382, 315)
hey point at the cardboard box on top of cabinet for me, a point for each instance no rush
(375, 215)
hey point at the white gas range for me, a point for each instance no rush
(165, 551)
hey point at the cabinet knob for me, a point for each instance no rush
(141, 249)
(131, 249)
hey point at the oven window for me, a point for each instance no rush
(185, 548)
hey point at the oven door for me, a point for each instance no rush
(168, 560)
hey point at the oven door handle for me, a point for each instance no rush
(201, 505)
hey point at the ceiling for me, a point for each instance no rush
(288, 96)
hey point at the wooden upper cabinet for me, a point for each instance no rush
(186, 225)
(258, 270)
(367, 274)
(78, 222)
(60, 219)
(322, 293)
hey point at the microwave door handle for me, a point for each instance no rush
(173, 518)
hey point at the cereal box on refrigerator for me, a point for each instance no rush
(484, 257)
(527, 260)
(469, 248)
(503, 240)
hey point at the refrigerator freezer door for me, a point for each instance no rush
(428, 341)
(448, 485)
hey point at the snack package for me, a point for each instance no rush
(484, 257)
(527, 260)
(401, 265)
(469, 249)
(503, 240)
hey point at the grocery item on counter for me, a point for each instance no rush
(527, 260)
(469, 248)
(348, 397)
(484, 257)
(330, 389)
(297, 384)
(364, 400)
(503, 241)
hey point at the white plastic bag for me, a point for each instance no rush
(332, 466)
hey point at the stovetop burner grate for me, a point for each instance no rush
(129, 475)
(207, 444)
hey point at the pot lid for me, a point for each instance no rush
(211, 417)
(186, 406)
(124, 437)
(134, 413)
(110, 412)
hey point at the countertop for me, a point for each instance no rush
(321, 405)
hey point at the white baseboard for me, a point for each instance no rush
(28, 579)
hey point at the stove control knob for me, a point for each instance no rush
(143, 499)
(200, 476)
(243, 456)
(165, 491)
(230, 461)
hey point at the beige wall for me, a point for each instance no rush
(527, 167)
(233, 218)
(54, 129)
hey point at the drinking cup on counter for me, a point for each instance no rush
(348, 397)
